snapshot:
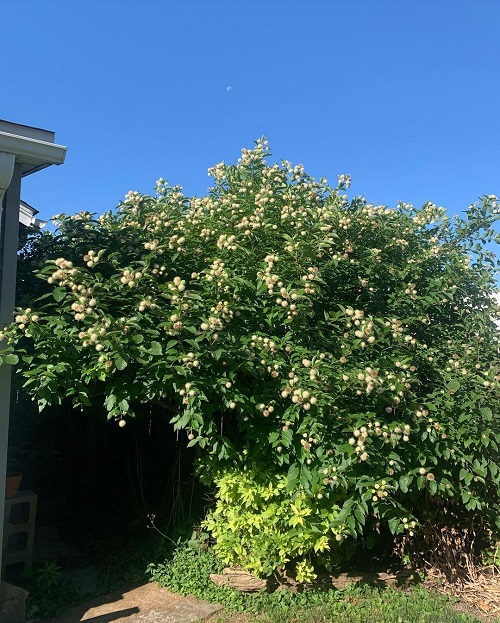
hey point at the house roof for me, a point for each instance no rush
(35, 149)
(27, 215)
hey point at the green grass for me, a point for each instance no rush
(372, 606)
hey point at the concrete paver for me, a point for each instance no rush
(144, 604)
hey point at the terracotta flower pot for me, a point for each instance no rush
(12, 484)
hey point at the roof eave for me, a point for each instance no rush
(33, 154)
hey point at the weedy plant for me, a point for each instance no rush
(335, 362)
(49, 591)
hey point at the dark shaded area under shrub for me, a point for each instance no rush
(94, 478)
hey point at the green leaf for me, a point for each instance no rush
(394, 525)
(359, 516)
(273, 437)
(286, 438)
(351, 526)
(11, 359)
(183, 421)
(110, 401)
(481, 470)
(404, 482)
(493, 469)
(293, 477)
(155, 348)
(305, 478)
(487, 413)
(120, 362)
(59, 294)
(466, 476)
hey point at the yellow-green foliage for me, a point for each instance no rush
(261, 525)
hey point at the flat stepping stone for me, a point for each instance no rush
(145, 604)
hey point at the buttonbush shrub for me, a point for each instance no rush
(335, 361)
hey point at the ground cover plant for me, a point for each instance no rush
(334, 362)
(188, 573)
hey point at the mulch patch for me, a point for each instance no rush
(480, 597)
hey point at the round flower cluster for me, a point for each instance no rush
(266, 410)
(396, 326)
(379, 491)
(427, 215)
(130, 278)
(363, 327)
(83, 305)
(93, 337)
(307, 442)
(218, 275)
(187, 393)
(158, 270)
(344, 181)
(83, 216)
(161, 187)
(91, 258)
(222, 308)
(227, 242)
(176, 242)
(190, 361)
(213, 324)
(302, 397)
(360, 437)
(218, 171)
(153, 245)
(330, 476)
(177, 287)
(132, 198)
(147, 303)
(23, 319)
(409, 525)
(206, 233)
(177, 324)
(356, 314)
(267, 276)
(265, 343)
(399, 433)
(248, 156)
(370, 380)
(63, 275)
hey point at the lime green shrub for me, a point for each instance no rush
(336, 362)
(261, 522)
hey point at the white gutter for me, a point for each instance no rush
(33, 154)
(31, 150)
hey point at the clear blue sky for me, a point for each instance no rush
(402, 94)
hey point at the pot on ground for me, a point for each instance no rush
(12, 483)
